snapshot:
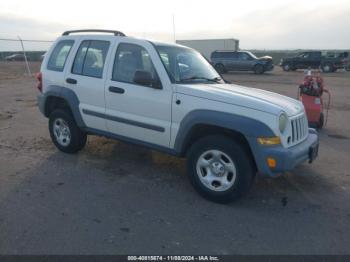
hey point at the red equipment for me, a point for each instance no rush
(310, 94)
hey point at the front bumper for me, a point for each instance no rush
(269, 67)
(286, 158)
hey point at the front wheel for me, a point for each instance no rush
(219, 168)
(327, 68)
(220, 68)
(65, 133)
(259, 69)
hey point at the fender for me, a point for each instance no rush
(248, 127)
(68, 95)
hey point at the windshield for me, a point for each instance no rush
(251, 54)
(185, 65)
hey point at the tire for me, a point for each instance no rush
(327, 68)
(286, 67)
(321, 121)
(220, 68)
(65, 133)
(259, 69)
(208, 165)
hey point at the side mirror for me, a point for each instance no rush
(145, 78)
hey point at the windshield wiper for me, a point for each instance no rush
(215, 79)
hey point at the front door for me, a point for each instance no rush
(245, 62)
(133, 109)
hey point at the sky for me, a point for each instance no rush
(264, 24)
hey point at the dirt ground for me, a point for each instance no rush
(116, 198)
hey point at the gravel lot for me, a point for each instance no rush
(116, 198)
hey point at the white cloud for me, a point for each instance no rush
(258, 24)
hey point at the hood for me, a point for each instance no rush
(265, 58)
(253, 98)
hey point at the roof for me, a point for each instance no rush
(116, 33)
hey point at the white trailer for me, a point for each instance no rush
(207, 46)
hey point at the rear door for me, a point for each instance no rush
(86, 76)
(232, 60)
(137, 111)
(224, 58)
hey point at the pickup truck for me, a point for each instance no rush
(314, 59)
(168, 98)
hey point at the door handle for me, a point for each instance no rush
(117, 90)
(71, 81)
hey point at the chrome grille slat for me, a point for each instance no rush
(293, 132)
(302, 127)
(299, 129)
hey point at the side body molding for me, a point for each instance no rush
(68, 95)
(246, 126)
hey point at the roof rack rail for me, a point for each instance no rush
(116, 33)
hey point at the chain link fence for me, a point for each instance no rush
(19, 57)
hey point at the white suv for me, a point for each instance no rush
(169, 98)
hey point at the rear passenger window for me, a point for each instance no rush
(59, 55)
(232, 55)
(90, 58)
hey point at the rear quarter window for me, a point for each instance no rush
(59, 55)
(215, 55)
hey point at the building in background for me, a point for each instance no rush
(207, 46)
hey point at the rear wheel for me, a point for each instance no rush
(259, 69)
(219, 168)
(65, 133)
(220, 68)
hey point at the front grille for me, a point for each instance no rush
(299, 129)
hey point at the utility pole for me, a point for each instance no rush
(174, 28)
(25, 57)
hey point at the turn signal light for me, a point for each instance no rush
(271, 162)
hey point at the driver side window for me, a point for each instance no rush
(243, 57)
(306, 55)
(130, 58)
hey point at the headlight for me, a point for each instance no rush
(269, 141)
(282, 123)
